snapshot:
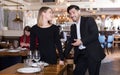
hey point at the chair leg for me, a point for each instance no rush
(107, 50)
(111, 49)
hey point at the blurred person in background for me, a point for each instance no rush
(25, 38)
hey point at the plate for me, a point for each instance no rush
(3, 42)
(34, 64)
(40, 63)
(20, 48)
(13, 50)
(3, 49)
(28, 70)
(23, 48)
(45, 64)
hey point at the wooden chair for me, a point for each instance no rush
(116, 40)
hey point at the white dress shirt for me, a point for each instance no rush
(78, 33)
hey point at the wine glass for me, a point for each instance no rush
(36, 56)
(30, 55)
(15, 44)
(28, 61)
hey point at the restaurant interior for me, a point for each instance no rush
(16, 14)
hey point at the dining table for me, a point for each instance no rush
(10, 57)
(55, 69)
(13, 52)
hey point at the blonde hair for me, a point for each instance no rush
(40, 17)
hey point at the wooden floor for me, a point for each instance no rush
(111, 64)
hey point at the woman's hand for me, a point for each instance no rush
(22, 44)
(61, 62)
(27, 44)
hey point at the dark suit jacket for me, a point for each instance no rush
(89, 37)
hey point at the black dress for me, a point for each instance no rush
(48, 42)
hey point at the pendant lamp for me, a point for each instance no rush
(17, 18)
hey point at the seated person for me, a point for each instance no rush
(25, 38)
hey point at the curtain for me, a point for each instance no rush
(1, 18)
(30, 18)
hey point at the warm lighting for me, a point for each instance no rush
(103, 16)
(93, 12)
(17, 19)
(60, 1)
(62, 18)
(91, 0)
(68, 4)
(56, 9)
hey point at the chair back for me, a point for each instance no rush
(101, 39)
(110, 40)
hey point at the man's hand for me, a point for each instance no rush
(77, 42)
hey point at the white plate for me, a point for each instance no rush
(34, 64)
(3, 49)
(23, 48)
(28, 70)
(40, 63)
(20, 48)
(45, 64)
(2, 42)
(13, 50)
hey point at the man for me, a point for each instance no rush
(88, 52)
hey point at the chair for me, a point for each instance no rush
(116, 40)
(102, 40)
(109, 44)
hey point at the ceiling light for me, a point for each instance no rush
(17, 18)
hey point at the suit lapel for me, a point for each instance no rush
(75, 28)
(81, 25)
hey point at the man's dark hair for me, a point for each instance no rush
(73, 6)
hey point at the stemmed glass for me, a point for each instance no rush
(15, 44)
(28, 61)
(30, 55)
(36, 56)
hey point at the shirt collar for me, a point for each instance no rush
(78, 23)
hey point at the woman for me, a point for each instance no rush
(25, 38)
(48, 37)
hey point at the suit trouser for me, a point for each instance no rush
(83, 63)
